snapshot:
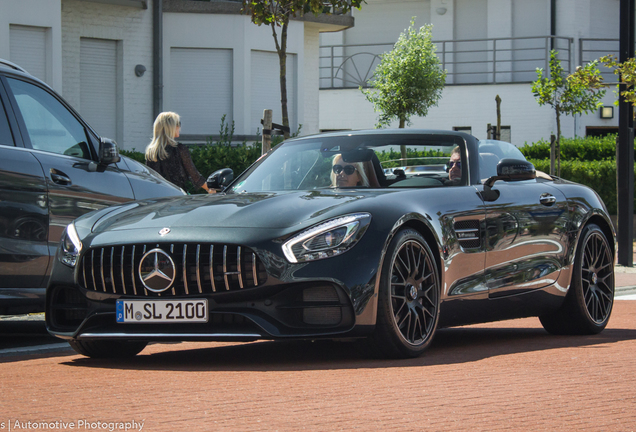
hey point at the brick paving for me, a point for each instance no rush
(509, 375)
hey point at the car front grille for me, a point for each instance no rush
(200, 269)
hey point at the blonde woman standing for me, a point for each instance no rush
(169, 158)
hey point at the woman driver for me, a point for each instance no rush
(347, 174)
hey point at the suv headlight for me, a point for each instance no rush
(71, 246)
(330, 238)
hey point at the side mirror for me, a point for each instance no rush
(220, 179)
(512, 170)
(108, 152)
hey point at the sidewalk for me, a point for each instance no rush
(625, 278)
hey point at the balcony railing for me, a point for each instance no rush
(594, 48)
(475, 61)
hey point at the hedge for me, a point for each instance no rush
(581, 149)
(599, 175)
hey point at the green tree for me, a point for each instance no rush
(627, 75)
(569, 95)
(276, 14)
(409, 79)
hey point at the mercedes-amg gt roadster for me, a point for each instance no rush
(382, 236)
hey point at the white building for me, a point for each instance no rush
(214, 62)
(489, 48)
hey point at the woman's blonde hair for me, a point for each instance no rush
(164, 130)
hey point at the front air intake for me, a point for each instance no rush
(316, 312)
(68, 308)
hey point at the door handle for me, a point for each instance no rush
(60, 178)
(547, 200)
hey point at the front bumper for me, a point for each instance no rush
(310, 309)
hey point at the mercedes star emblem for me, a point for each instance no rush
(157, 270)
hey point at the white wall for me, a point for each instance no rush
(239, 34)
(38, 13)
(309, 111)
(380, 21)
(604, 19)
(132, 28)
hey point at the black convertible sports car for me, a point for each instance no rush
(386, 235)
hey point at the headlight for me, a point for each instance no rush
(71, 246)
(328, 239)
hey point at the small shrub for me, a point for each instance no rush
(133, 154)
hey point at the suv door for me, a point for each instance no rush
(24, 218)
(66, 151)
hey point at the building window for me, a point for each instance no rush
(466, 129)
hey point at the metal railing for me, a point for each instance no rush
(474, 61)
(593, 48)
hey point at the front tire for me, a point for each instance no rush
(588, 304)
(408, 300)
(108, 348)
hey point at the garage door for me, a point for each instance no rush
(98, 85)
(265, 89)
(28, 48)
(201, 88)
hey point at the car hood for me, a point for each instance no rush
(253, 210)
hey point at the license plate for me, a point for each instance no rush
(162, 311)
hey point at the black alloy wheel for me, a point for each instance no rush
(597, 278)
(588, 304)
(408, 304)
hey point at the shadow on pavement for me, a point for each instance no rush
(451, 346)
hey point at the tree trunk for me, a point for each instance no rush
(552, 153)
(498, 132)
(403, 147)
(267, 131)
(281, 49)
(558, 142)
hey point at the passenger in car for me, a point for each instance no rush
(171, 159)
(454, 167)
(348, 174)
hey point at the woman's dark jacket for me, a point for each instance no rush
(178, 167)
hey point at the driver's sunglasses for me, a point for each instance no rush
(451, 164)
(348, 169)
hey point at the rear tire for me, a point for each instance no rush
(588, 304)
(108, 348)
(408, 300)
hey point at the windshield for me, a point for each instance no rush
(359, 161)
(491, 152)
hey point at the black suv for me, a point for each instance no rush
(53, 168)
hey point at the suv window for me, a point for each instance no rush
(50, 126)
(5, 133)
